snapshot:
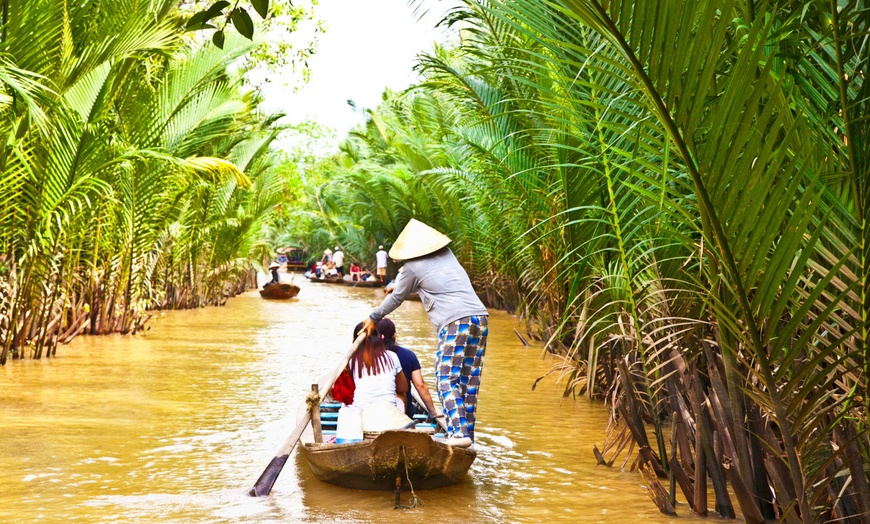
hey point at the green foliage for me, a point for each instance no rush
(137, 173)
(231, 13)
(676, 186)
(280, 43)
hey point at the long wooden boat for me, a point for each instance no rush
(295, 266)
(280, 291)
(397, 455)
(380, 460)
(348, 279)
(329, 280)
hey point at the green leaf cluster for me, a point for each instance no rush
(137, 172)
(232, 13)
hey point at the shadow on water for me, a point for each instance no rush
(175, 425)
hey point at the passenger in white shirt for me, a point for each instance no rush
(377, 373)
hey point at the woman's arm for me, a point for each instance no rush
(406, 282)
(423, 390)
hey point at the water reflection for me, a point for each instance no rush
(175, 426)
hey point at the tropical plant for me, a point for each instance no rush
(673, 194)
(137, 172)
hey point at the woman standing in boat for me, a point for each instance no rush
(432, 271)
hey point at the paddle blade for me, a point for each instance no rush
(264, 484)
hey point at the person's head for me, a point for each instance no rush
(371, 356)
(337, 248)
(388, 332)
(381, 247)
(356, 331)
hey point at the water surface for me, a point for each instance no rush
(176, 424)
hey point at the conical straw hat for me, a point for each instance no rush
(416, 240)
(382, 415)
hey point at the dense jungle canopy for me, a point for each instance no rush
(672, 195)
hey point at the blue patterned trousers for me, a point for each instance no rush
(458, 366)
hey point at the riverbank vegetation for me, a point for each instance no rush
(673, 196)
(136, 170)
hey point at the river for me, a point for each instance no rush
(177, 423)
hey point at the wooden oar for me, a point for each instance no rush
(440, 422)
(264, 484)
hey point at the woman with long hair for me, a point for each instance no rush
(377, 372)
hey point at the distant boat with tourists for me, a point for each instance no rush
(335, 279)
(372, 282)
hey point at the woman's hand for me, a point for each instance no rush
(368, 327)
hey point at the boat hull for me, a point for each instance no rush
(375, 464)
(329, 280)
(279, 291)
(361, 283)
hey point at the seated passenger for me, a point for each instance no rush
(354, 272)
(410, 367)
(377, 373)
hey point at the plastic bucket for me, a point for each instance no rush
(349, 427)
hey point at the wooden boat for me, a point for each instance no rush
(295, 266)
(380, 460)
(396, 455)
(329, 280)
(348, 279)
(279, 291)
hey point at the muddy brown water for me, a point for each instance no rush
(175, 425)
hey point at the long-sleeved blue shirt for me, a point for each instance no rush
(443, 286)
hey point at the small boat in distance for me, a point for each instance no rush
(373, 282)
(279, 291)
(335, 279)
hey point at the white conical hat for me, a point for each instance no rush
(382, 415)
(416, 240)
